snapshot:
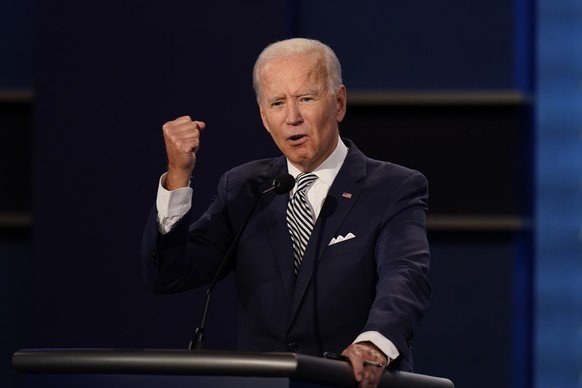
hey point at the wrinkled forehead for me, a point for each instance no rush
(295, 68)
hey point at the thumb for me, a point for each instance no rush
(200, 124)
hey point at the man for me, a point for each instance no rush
(357, 284)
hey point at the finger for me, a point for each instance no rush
(177, 121)
(366, 364)
(369, 380)
(358, 368)
(182, 129)
(184, 122)
(183, 119)
(373, 379)
(183, 140)
(200, 124)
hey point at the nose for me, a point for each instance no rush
(293, 116)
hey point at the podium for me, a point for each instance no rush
(152, 368)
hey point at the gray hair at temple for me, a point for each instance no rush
(297, 46)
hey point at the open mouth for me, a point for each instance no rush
(296, 137)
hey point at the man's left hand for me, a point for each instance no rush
(359, 353)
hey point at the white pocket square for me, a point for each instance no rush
(341, 238)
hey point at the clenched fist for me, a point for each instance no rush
(182, 138)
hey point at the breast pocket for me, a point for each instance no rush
(346, 265)
(352, 250)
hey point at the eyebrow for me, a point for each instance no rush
(270, 100)
(302, 93)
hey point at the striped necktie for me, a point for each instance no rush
(300, 218)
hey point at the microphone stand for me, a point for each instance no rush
(281, 185)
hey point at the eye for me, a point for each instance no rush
(276, 104)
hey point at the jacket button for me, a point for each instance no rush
(293, 347)
(153, 256)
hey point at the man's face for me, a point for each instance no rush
(298, 111)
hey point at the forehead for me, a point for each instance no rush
(293, 70)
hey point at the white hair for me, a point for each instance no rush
(297, 46)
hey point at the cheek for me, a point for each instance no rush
(271, 123)
(276, 134)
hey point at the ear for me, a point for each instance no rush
(341, 103)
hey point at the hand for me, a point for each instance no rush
(182, 138)
(366, 376)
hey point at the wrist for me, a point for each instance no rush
(377, 350)
(176, 180)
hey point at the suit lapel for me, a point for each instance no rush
(275, 210)
(342, 195)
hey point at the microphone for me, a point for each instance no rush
(280, 185)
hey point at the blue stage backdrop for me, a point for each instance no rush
(108, 74)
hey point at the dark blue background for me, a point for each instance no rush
(107, 75)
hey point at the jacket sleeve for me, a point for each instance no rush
(402, 260)
(189, 255)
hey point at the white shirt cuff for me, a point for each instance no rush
(383, 343)
(171, 205)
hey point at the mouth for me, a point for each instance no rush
(296, 138)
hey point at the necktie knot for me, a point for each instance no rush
(305, 180)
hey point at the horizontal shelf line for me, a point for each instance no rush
(16, 95)
(493, 97)
(15, 220)
(433, 222)
(477, 223)
(374, 97)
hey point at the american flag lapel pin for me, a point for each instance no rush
(347, 195)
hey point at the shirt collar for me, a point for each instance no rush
(326, 171)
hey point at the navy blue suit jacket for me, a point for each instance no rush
(375, 281)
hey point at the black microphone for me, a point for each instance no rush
(281, 185)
